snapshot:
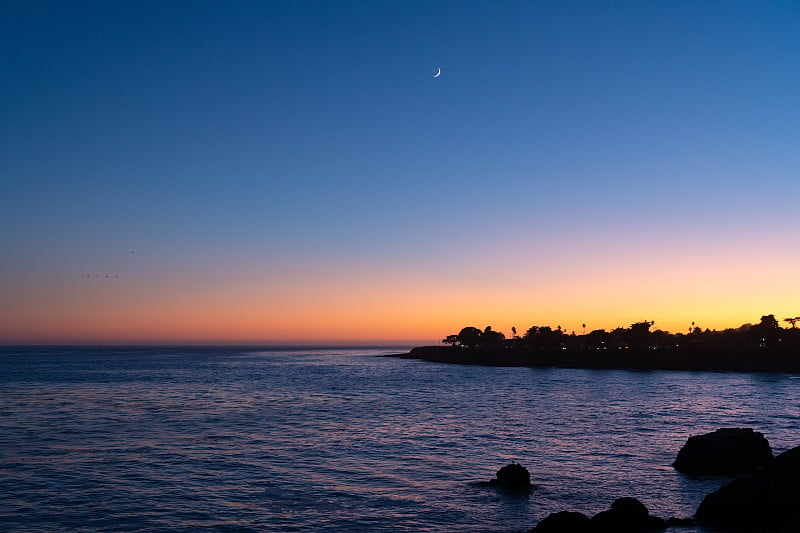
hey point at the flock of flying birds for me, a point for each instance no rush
(99, 277)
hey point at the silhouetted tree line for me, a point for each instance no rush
(766, 336)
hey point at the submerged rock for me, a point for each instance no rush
(564, 522)
(765, 499)
(726, 451)
(513, 477)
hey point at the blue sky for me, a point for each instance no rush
(259, 137)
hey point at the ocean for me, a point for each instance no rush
(341, 440)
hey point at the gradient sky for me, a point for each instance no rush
(291, 171)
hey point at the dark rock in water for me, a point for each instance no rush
(766, 499)
(564, 522)
(630, 507)
(513, 477)
(627, 515)
(727, 451)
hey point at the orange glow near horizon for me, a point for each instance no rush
(342, 306)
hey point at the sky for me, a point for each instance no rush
(291, 171)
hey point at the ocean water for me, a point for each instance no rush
(339, 440)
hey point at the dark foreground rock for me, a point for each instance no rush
(627, 515)
(766, 499)
(726, 451)
(681, 522)
(513, 477)
(564, 522)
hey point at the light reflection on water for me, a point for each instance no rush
(340, 440)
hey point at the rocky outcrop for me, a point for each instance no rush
(766, 499)
(513, 477)
(726, 451)
(627, 515)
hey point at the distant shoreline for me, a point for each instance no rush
(736, 360)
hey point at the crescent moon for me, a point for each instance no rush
(439, 73)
